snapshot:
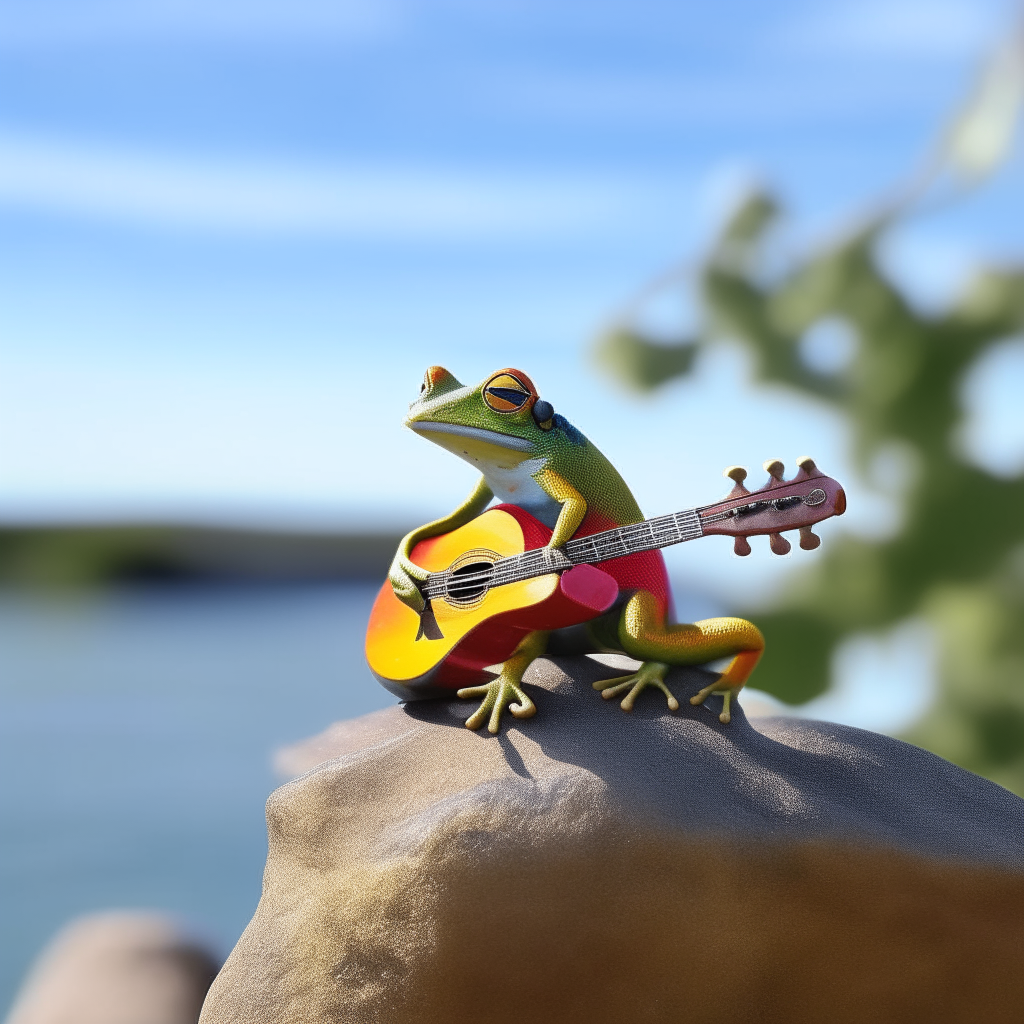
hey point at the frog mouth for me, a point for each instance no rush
(517, 444)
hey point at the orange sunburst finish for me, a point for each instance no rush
(488, 632)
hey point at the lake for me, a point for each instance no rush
(136, 734)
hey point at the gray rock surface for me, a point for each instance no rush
(592, 865)
(117, 968)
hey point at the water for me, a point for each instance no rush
(136, 735)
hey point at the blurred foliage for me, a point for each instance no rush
(96, 555)
(958, 557)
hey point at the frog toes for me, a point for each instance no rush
(650, 673)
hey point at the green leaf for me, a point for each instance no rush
(640, 363)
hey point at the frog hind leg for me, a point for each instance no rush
(506, 690)
(643, 633)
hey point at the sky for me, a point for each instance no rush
(233, 236)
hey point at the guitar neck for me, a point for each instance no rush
(661, 532)
(780, 505)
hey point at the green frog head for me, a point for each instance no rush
(499, 421)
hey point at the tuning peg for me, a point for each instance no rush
(774, 468)
(779, 544)
(741, 546)
(807, 468)
(737, 474)
(808, 540)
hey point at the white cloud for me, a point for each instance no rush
(899, 28)
(346, 200)
(79, 22)
(762, 96)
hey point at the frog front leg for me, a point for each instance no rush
(404, 575)
(506, 691)
(644, 634)
(573, 505)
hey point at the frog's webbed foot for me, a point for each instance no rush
(729, 683)
(505, 691)
(497, 695)
(727, 692)
(650, 673)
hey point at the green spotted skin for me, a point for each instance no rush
(531, 457)
(561, 449)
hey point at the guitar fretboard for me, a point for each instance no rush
(661, 532)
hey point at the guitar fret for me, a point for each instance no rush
(618, 538)
(646, 535)
(663, 525)
(689, 525)
(633, 534)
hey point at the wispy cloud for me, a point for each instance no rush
(64, 22)
(758, 98)
(923, 29)
(354, 200)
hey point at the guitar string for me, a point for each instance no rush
(539, 562)
(599, 545)
(656, 531)
(662, 531)
(522, 566)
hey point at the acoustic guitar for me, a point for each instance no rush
(493, 580)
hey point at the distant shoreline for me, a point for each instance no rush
(99, 555)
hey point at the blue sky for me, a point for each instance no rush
(233, 235)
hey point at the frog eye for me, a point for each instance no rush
(426, 382)
(507, 392)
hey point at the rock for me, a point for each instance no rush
(117, 968)
(589, 865)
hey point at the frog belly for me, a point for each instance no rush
(515, 485)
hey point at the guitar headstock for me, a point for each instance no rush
(779, 506)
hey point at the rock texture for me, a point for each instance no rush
(117, 968)
(588, 865)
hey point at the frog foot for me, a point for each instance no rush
(726, 689)
(497, 695)
(650, 673)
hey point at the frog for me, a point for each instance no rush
(533, 458)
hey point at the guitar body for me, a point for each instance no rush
(416, 658)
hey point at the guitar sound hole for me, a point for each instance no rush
(468, 582)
